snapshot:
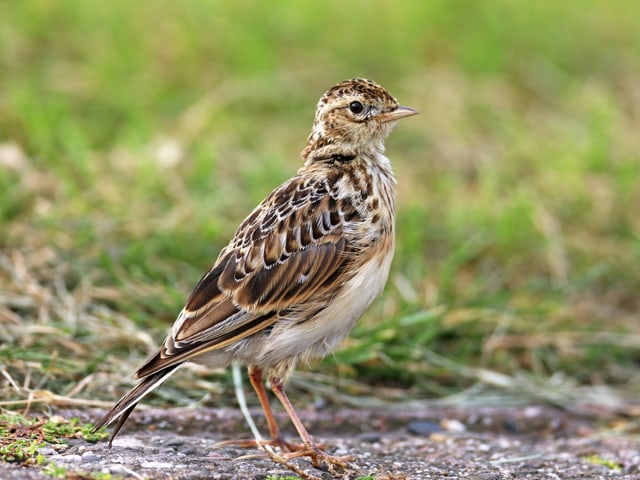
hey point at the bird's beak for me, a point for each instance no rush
(397, 114)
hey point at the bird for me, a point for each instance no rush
(301, 268)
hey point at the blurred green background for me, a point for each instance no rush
(135, 136)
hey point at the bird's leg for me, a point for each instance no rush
(257, 382)
(310, 448)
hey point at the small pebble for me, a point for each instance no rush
(438, 437)
(190, 451)
(46, 451)
(341, 451)
(128, 442)
(423, 427)
(118, 470)
(505, 443)
(532, 412)
(89, 456)
(453, 425)
(487, 476)
(369, 437)
(483, 447)
(71, 458)
(511, 425)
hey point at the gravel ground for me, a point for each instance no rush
(480, 444)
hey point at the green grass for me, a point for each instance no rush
(135, 137)
(22, 437)
(598, 460)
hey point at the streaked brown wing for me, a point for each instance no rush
(290, 249)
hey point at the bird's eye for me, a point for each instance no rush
(356, 107)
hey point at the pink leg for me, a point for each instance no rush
(310, 448)
(255, 377)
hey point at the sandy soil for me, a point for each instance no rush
(480, 444)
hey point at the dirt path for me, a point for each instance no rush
(479, 444)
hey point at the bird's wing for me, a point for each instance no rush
(290, 249)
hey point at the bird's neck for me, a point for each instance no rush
(322, 148)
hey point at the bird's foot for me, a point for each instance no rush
(319, 457)
(336, 465)
(291, 451)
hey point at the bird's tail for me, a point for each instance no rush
(128, 402)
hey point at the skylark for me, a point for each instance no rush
(300, 269)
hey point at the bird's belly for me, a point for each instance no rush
(315, 337)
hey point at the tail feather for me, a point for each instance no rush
(128, 402)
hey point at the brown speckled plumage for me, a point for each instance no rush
(302, 267)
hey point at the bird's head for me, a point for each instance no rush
(353, 117)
